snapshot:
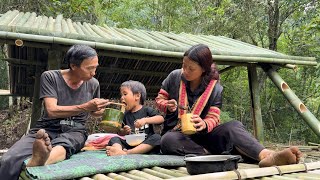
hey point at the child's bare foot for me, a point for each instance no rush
(287, 156)
(115, 151)
(41, 149)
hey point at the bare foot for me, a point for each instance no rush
(41, 149)
(115, 151)
(287, 156)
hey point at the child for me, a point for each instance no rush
(136, 118)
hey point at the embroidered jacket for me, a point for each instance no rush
(176, 86)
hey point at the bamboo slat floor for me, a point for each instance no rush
(311, 155)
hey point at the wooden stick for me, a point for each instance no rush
(121, 104)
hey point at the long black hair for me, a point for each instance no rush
(201, 54)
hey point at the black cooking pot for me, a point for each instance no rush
(211, 163)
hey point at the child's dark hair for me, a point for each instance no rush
(137, 88)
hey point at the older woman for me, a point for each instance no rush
(197, 86)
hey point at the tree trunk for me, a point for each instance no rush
(273, 29)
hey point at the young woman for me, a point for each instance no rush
(197, 87)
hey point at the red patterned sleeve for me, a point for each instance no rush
(162, 100)
(212, 119)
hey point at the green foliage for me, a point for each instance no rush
(297, 32)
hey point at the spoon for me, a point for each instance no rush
(182, 107)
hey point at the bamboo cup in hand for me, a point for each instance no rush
(186, 124)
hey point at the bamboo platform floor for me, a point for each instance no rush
(311, 154)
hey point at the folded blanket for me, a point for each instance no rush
(99, 143)
(89, 163)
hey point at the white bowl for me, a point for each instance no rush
(135, 139)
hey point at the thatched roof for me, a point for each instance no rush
(146, 56)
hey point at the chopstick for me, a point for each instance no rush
(121, 104)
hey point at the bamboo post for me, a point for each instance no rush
(302, 110)
(255, 102)
(255, 172)
(36, 103)
(54, 58)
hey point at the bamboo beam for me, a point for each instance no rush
(171, 173)
(113, 70)
(4, 92)
(255, 103)
(117, 176)
(152, 52)
(131, 176)
(143, 174)
(302, 110)
(288, 66)
(101, 177)
(24, 62)
(255, 172)
(226, 69)
(156, 173)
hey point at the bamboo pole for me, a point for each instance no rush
(226, 69)
(255, 172)
(14, 21)
(171, 173)
(138, 50)
(158, 174)
(255, 103)
(101, 177)
(25, 62)
(130, 71)
(289, 66)
(117, 176)
(180, 39)
(302, 110)
(36, 102)
(43, 23)
(7, 17)
(272, 53)
(143, 174)
(64, 27)
(70, 26)
(131, 176)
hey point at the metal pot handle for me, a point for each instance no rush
(189, 155)
(233, 158)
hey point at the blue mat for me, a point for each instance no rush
(97, 162)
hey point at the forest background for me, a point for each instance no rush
(287, 26)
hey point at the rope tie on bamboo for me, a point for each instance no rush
(280, 173)
(306, 167)
(238, 174)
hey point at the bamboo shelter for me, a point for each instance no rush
(36, 43)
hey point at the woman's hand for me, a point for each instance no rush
(172, 105)
(140, 122)
(199, 124)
